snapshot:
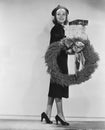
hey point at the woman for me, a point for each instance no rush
(56, 91)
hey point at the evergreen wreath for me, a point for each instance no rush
(91, 58)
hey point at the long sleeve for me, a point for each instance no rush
(56, 34)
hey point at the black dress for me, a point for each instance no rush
(56, 90)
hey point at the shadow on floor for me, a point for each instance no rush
(37, 125)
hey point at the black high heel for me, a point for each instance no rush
(44, 116)
(57, 118)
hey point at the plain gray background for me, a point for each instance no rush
(24, 37)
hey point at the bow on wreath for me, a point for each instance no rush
(75, 47)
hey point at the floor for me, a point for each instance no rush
(37, 125)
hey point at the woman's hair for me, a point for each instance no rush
(55, 20)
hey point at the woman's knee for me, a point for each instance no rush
(58, 99)
(50, 100)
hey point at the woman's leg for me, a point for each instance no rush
(49, 106)
(59, 106)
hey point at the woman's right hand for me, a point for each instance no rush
(69, 51)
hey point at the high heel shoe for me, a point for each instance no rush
(57, 118)
(44, 116)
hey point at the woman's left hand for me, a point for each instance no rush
(69, 51)
(78, 46)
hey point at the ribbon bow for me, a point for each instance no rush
(79, 57)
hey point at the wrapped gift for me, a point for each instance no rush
(71, 64)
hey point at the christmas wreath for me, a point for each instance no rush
(84, 52)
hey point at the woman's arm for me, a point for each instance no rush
(56, 34)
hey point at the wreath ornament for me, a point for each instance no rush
(79, 44)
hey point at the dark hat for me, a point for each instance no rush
(79, 22)
(59, 7)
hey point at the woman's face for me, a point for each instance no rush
(61, 15)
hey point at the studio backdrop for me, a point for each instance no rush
(24, 37)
